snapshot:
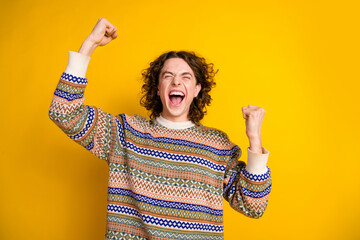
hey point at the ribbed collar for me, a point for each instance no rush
(174, 125)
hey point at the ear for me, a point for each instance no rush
(197, 89)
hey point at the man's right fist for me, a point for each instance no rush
(103, 32)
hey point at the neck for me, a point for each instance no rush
(174, 125)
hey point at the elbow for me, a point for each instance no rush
(258, 210)
(255, 207)
(257, 215)
(52, 115)
(253, 213)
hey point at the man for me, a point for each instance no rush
(167, 175)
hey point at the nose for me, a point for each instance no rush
(176, 81)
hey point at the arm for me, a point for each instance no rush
(89, 126)
(247, 187)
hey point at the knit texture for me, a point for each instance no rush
(163, 183)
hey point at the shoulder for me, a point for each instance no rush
(134, 117)
(218, 139)
(135, 120)
(139, 118)
(215, 134)
(212, 131)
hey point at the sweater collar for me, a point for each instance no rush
(174, 125)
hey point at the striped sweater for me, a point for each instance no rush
(166, 180)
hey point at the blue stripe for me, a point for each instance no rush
(182, 224)
(253, 194)
(162, 203)
(90, 145)
(176, 157)
(89, 122)
(120, 133)
(68, 96)
(256, 177)
(231, 181)
(164, 222)
(73, 79)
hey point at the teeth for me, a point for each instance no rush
(177, 94)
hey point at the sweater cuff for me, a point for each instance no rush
(256, 163)
(77, 64)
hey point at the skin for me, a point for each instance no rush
(104, 32)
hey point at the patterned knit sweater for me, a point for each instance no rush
(166, 180)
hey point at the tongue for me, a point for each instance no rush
(176, 100)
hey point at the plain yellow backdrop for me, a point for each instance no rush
(299, 60)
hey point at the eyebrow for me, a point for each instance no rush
(173, 73)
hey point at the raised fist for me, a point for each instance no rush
(103, 32)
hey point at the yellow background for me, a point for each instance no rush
(299, 60)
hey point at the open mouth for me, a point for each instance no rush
(176, 97)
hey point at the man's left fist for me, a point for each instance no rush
(253, 116)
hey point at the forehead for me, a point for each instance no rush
(176, 65)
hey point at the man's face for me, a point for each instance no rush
(177, 89)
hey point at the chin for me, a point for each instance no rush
(176, 113)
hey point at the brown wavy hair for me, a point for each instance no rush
(204, 74)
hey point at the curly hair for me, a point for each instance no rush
(204, 74)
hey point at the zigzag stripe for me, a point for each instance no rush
(254, 205)
(170, 175)
(129, 231)
(176, 167)
(163, 203)
(88, 124)
(171, 193)
(219, 152)
(189, 235)
(60, 105)
(100, 134)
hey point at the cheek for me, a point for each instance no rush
(161, 92)
(192, 90)
(160, 89)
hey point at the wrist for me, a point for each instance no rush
(255, 145)
(88, 47)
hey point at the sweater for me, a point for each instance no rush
(167, 180)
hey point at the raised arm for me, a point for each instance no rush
(247, 186)
(87, 125)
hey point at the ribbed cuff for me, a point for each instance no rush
(256, 163)
(77, 64)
